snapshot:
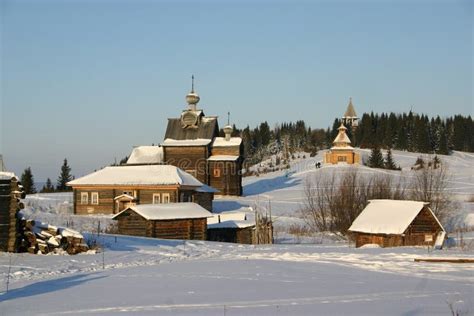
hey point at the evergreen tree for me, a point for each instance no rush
(376, 158)
(64, 177)
(389, 162)
(48, 187)
(28, 182)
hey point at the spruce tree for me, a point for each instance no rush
(28, 182)
(376, 158)
(389, 162)
(48, 187)
(64, 177)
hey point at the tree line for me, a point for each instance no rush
(27, 180)
(415, 133)
(406, 131)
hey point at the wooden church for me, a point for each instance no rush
(342, 151)
(192, 143)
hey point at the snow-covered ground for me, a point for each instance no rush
(327, 277)
(146, 276)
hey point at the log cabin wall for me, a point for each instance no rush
(130, 223)
(230, 151)
(204, 199)
(191, 229)
(226, 176)
(189, 159)
(107, 203)
(422, 226)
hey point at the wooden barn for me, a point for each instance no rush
(391, 223)
(113, 189)
(235, 227)
(167, 221)
(192, 143)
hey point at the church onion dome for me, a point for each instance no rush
(342, 139)
(192, 98)
(350, 111)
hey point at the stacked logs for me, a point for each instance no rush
(41, 238)
(10, 193)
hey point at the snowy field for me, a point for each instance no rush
(149, 277)
(325, 277)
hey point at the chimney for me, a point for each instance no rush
(228, 132)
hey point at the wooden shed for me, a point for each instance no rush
(391, 223)
(167, 221)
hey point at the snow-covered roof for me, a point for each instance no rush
(146, 155)
(206, 189)
(138, 175)
(231, 224)
(223, 158)
(168, 211)
(221, 142)
(227, 216)
(342, 138)
(186, 142)
(387, 217)
(5, 175)
(232, 215)
(124, 196)
(342, 148)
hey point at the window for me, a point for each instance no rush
(217, 173)
(341, 158)
(166, 198)
(84, 198)
(131, 193)
(156, 198)
(95, 198)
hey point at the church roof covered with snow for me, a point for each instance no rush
(168, 211)
(138, 175)
(387, 217)
(146, 155)
(342, 141)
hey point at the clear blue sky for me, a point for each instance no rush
(88, 80)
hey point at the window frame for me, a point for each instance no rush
(94, 194)
(84, 201)
(156, 195)
(164, 196)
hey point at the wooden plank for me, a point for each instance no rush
(445, 260)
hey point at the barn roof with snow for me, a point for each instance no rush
(168, 211)
(388, 217)
(146, 155)
(138, 175)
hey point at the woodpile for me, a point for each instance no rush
(10, 193)
(41, 238)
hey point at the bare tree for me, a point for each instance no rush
(430, 185)
(333, 202)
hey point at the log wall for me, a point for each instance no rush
(226, 176)
(10, 194)
(130, 223)
(190, 159)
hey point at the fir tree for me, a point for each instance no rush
(64, 177)
(28, 182)
(389, 162)
(48, 187)
(376, 158)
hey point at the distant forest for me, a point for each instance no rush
(407, 131)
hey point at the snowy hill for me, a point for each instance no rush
(163, 277)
